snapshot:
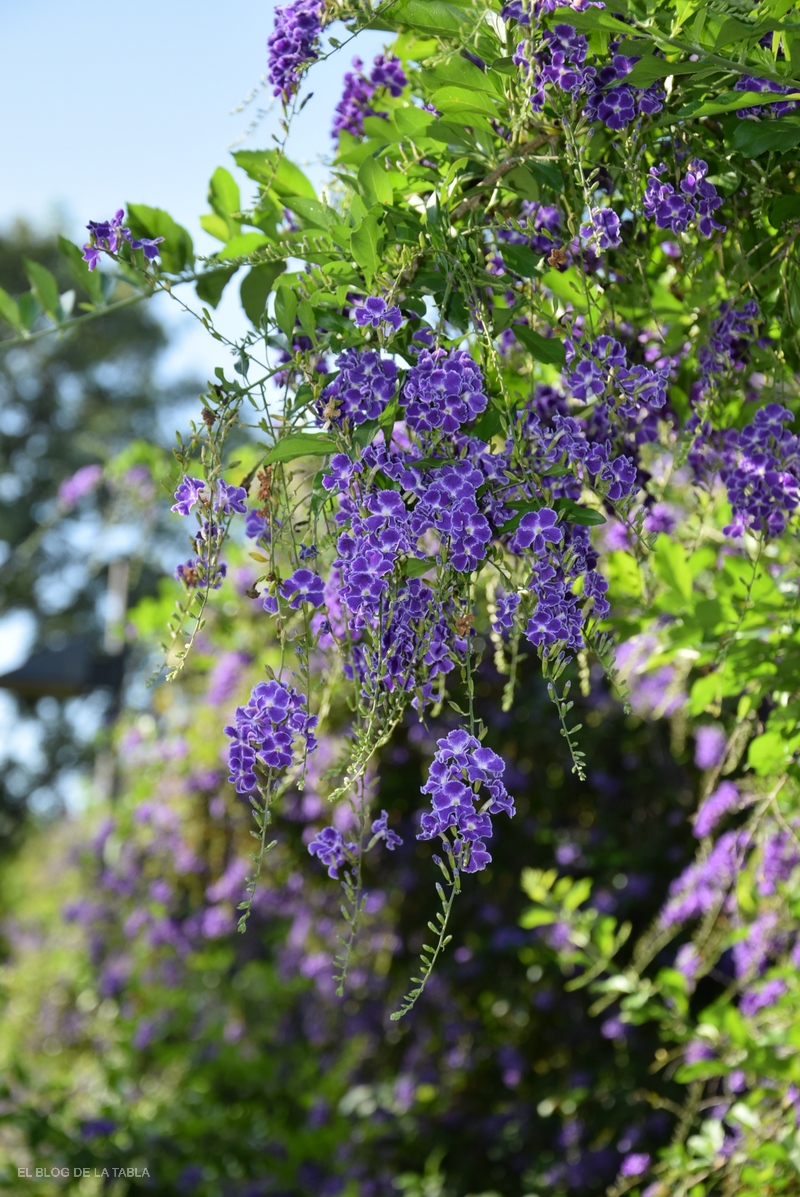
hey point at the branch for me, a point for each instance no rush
(529, 147)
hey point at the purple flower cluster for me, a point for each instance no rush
(601, 229)
(382, 831)
(696, 202)
(443, 391)
(460, 771)
(80, 484)
(725, 798)
(706, 882)
(362, 390)
(763, 478)
(204, 570)
(417, 639)
(753, 83)
(360, 91)
(374, 312)
(335, 852)
(560, 60)
(380, 527)
(292, 44)
(762, 997)
(709, 746)
(541, 224)
(265, 732)
(107, 236)
(332, 850)
(761, 940)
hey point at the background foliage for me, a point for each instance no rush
(616, 1011)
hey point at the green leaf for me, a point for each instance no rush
(274, 169)
(784, 208)
(520, 260)
(176, 251)
(242, 245)
(734, 30)
(9, 310)
(453, 101)
(90, 280)
(522, 182)
(215, 226)
(212, 283)
(300, 444)
(29, 309)
(374, 183)
(672, 567)
(489, 424)
(45, 288)
(256, 287)
(726, 101)
(547, 175)
(311, 211)
(757, 137)
(412, 122)
(365, 245)
(768, 754)
(573, 513)
(541, 349)
(286, 310)
(305, 314)
(590, 20)
(428, 16)
(649, 69)
(413, 567)
(461, 72)
(224, 198)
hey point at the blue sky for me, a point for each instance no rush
(111, 103)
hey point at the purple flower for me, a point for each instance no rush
(375, 312)
(303, 587)
(602, 229)
(187, 494)
(753, 83)
(505, 608)
(82, 483)
(698, 200)
(149, 245)
(536, 530)
(725, 798)
(108, 235)
(381, 829)
(617, 109)
(761, 940)
(97, 1128)
(331, 849)
(229, 499)
(635, 1164)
